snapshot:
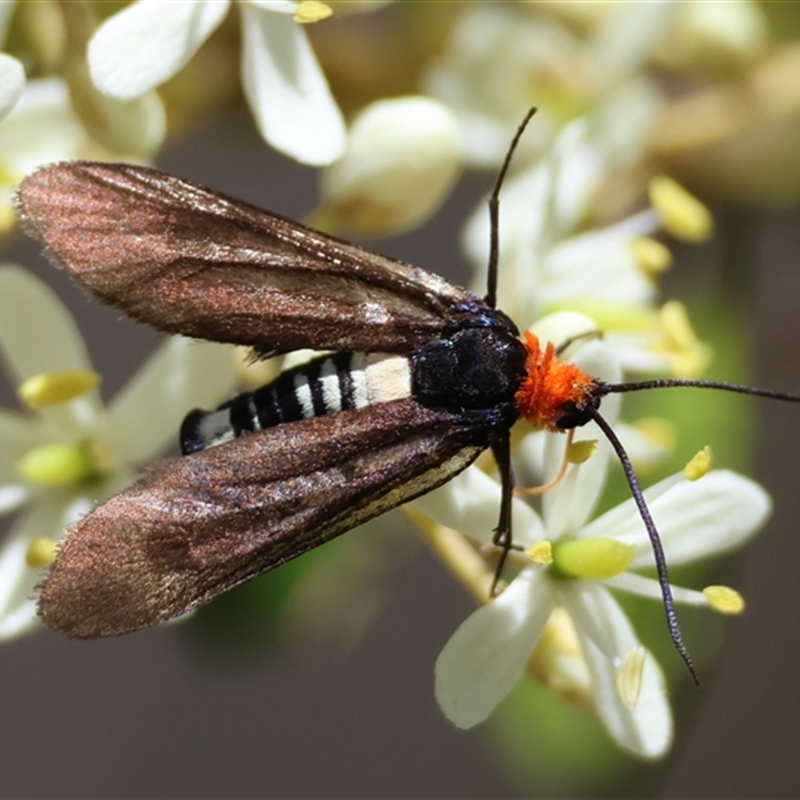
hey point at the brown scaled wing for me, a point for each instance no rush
(188, 260)
(194, 527)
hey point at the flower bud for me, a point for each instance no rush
(402, 158)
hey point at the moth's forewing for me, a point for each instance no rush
(194, 527)
(191, 261)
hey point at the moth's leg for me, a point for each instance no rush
(503, 538)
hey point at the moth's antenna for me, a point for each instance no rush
(668, 383)
(655, 542)
(494, 212)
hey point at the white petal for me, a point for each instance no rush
(562, 326)
(277, 6)
(470, 503)
(181, 375)
(20, 620)
(622, 45)
(131, 127)
(625, 516)
(487, 654)
(650, 588)
(645, 730)
(636, 354)
(37, 333)
(696, 519)
(286, 90)
(567, 507)
(521, 234)
(579, 167)
(12, 83)
(42, 127)
(478, 75)
(600, 361)
(529, 453)
(599, 265)
(560, 187)
(148, 42)
(639, 102)
(12, 497)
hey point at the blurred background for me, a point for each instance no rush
(270, 693)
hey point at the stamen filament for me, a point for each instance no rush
(546, 487)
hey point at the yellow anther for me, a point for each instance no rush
(58, 464)
(699, 464)
(53, 388)
(41, 552)
(724, 600)
(688, 354)
(593, 558)
(581, 451)
(629, 675)
(682, 214)
(677, 326)
(541, 552)
(312, 11)
(651, 256)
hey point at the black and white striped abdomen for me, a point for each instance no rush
(325, 385)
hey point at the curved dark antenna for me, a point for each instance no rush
(655, 542)
(494, 212)
(667, 383)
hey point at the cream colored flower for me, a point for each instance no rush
(402, 157)
(572, 560)
(70, 451)
(149, 41)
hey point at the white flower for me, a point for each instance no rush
(149, 41)
(12, 73)
(549, 261)
(489, 652)
(60, 459)
(402, 157)
(545, 259)
(504, 57)
(41, 128)
(12, 83)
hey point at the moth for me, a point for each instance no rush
(423, 376)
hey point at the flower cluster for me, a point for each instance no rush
(68, 451)
(570, 561)
(588, 210)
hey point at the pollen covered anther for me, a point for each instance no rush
(552, 388)
(53, 388)
(724, 599)
(41, 552)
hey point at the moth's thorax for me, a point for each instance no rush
(554, 394)
(473, 369)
